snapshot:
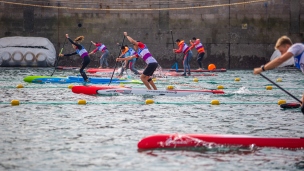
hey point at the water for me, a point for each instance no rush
(50, 131)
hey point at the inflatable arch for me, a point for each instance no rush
(27, 52)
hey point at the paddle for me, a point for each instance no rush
(123, 40)
(302, 108)
(175, 64)
(57, 59)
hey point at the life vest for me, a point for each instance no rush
(82, 52)
(199, 47)
(299, 61)
(131, 51)
(102, 47)
(146, 55)
(185, 48)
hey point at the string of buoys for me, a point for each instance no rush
(169, 87)
(16, 102)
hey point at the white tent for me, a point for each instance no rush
(26, 51)
(289, 62)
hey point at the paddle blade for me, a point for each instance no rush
(302, 109)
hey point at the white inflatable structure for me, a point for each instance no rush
(27, 52)
(289, 62)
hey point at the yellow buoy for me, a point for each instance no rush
(268, 87)
(149, 101)
(279, 80)
(220, 87)
(170, 87)
(15, 102)
(195, 80)
(71, 86)
(237, 79)
(281, 102)
(215, 102)
(153, 79)
(82, 102)
(19, 86)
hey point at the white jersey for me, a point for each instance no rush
(297, 50)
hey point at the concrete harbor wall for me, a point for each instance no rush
(237, 34)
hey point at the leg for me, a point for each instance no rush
(184, 64)
(189, 57)
(145, 77)
(199, 60)
(152, 83)
(85, 62)
(121, 71)
(101, 62)
(105, 58)
(131, 66)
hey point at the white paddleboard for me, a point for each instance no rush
(156, 92)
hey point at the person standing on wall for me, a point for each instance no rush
(184, 48)
(143, 52)
(200, 50)
(82, 52)
(105, 53)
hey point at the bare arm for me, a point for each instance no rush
(130, 39)
(126, 58)
(274, 63)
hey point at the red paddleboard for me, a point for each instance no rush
(203, 70)
(201, 140)
(91, 90)
(94, 70)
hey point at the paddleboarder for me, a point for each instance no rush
(143, 52)
(105, 53)
(128, 51)
(82, 52)
(184, 48)
(200, 50)
(288, 50)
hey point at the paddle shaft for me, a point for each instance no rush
(281, 88)
(57, 59)
(173, 44)
(123, 40)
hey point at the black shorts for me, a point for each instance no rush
(150, 69)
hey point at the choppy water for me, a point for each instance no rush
(49, 131)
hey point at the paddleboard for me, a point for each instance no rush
(174, 92)
(203, 70)
(176, 74)
(290, 105)
(94, 70)
(67, 68)
(91, 90)
(77, 79)
(201, 140)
